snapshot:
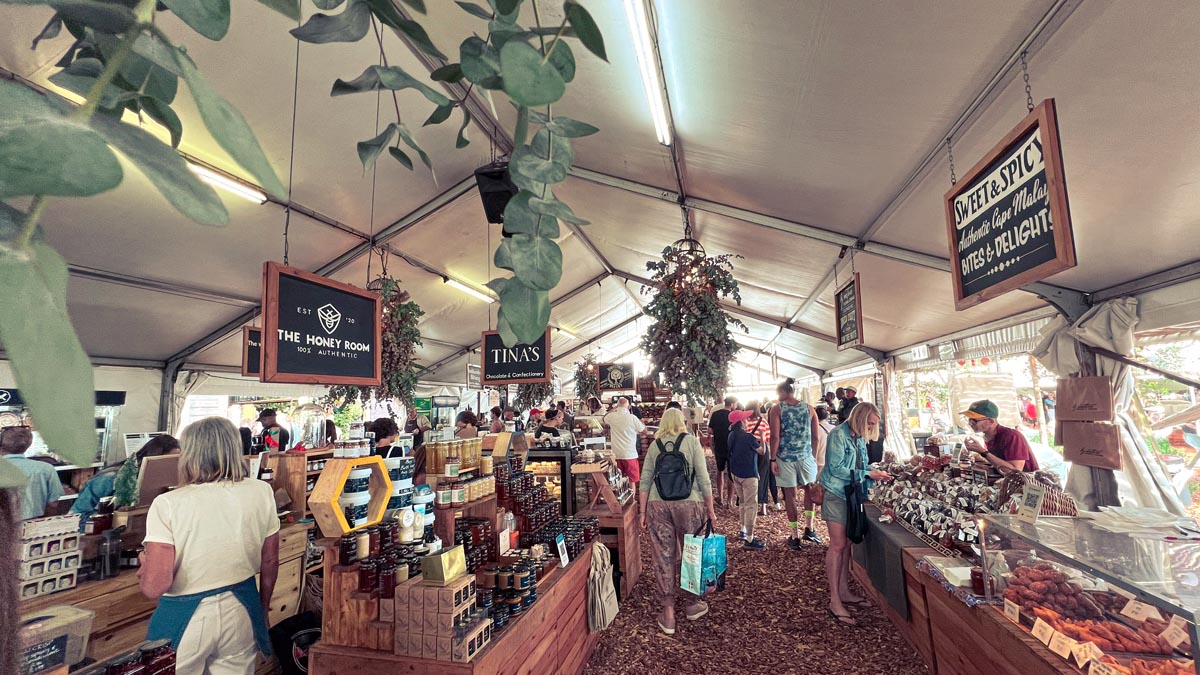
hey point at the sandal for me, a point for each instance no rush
(862, 602)
(844, 619)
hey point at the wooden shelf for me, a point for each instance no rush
(314, 567)
(314, 473)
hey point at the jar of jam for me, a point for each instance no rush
(444, 496)
(521, 578)
(486, 577)
(157, 657)
(504, 578)
(368, 576)
(458, 494)
(363, 543)
(484, 598)
(128, 664)
(387, 580)
(452, 466)
(527, 599)
(374, 541)
(515, 605)
(977, 581)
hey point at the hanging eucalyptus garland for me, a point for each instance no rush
(401, 337)
(586, 378)
(533, 395)
(690, 343)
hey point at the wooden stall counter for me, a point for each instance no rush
(551, 637)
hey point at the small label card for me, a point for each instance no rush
(1012, 610)
(1042, 631)
(1140, 611)
(1085, 652)
(1062, 645)
(1176, 634)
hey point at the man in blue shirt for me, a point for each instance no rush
(744, 450)
(42, 486)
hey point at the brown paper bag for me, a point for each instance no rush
(1084, 399)
(1096, 444)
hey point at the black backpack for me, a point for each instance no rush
(672, 474)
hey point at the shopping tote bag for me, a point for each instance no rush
(702, 570)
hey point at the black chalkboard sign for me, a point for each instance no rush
(615, 377)
(251, 351)
(848, 311)
(519, 364)
(317, 330)
(1008, 217)
(12, 397)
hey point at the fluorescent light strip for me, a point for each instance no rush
(455, 283)
(228, 184)
(567, 333)
(639, 23)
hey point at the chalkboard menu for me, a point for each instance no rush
(317, 330)
(473, 375)
(1008, 217)
(848, 310)
(251, 351)
(615, 377)
(519, 364)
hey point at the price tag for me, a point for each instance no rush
(1085, 652)
(505, 541)
(1042, 631)
(563, 558)
(1175, 634)
(1140, 611)
(1012, 610)
(1099, 668)
(1031, 503)
(1062, 645)
(980, 477)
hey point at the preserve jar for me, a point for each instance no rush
(374, 541)
(452, 466)
(444, 496)
(458, 496)
(347, 549)
(127, 664)
(157, 657)
(387, 580)
(368, 576)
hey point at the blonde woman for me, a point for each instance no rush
(668, 520)
(845, 459)
(205, 541)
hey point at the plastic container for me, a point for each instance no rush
(393, 467)
(354, 506)
(359, 480)
(54, 622)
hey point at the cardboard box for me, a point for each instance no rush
(458, 593)
(1084, 399)
(429, 623)
(445, 648)
(429, 646)
(1095, 444)
(400, 642)
(414, 645)
(433, 597)
(444, 567)
(416, 622)
(387, 610)
(472, 641)
(53, 637)
(401, 621)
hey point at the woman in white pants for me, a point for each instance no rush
(205, 542)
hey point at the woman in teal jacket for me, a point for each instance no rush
(119, 481)
(845, 458)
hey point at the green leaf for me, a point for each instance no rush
(45, 153)
(475, 10)
(50, 31)
(386, 11)
(505, 330)
(351, 25)
(328, 5)
(49, 364)
(11, 477)
(209, 18)
(150, 79)
(79, 78)
(387, 77)
(549, 31)
(399, 156)
(408, 140)
(230, 130)
(451, 72)
(162, 113)
(526, 309)
(480, 61)
(288, 8)
(519, 218)
(503, 256)
(164, 167)
(563, 59)
(559, 152)
(528, 165)
(418, 5)
(498, 284)
(106, 17)
(585, 26)
(440, 114)
(151, 47)
(554, 207)
(502, 31)
(569, 128)
(12, 222)
(528, 79)
(368, 151)
(537, 261)
(461, 141)
(525, 183)
(509, 16)
(507, 7)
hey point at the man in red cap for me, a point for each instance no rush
(1005, 448)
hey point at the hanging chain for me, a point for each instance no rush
(1028, 90)
(852, 270)
(287, 214)
(950, 154)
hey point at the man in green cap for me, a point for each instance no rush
(1006, 449)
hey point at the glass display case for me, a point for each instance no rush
(1163, 573)
(552, 468)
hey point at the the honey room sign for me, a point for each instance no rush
(251, 351)
(519, 364)
(317, 330)
(1008, 217)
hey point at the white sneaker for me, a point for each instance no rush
(778, 506)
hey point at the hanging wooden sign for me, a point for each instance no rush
(251, 351)
(519, 364)
(317, 330)
(848, 310)
(615, 377)
(473, 377)
(1008, 217)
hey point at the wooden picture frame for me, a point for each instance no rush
(270, 350)
(842, 343)
(483, 369)
(248, 360)
(1044, 119)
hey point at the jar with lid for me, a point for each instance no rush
(374, 541)
(127, 664)
(368, 575)
(267, 474)
(445, 496)
(458, 496)
(387, 580)
(347, 548)
(157, 657)
(504, 578)
(452, 465)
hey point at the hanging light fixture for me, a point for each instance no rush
(647, 58)
(455, 283)
(220, 180)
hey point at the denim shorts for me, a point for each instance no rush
(797, 473)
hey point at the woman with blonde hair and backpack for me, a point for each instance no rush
(675, 494)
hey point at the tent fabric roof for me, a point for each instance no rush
(803, 128)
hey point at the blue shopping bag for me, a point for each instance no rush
(702, 570)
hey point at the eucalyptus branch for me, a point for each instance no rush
(83, 114)
(383, 57)
(557, 36)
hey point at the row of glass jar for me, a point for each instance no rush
(458, 492)
(150, 658)
(353, 447)
(467, 451)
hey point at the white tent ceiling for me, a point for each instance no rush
(802, 127)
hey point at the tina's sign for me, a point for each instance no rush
(1008, 217)
(317, 330)
(519, 364)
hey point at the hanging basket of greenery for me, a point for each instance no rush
(690, 343)
(586, 382)
(533, 395)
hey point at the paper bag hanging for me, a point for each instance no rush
(1095, 444)
(1084, 399)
